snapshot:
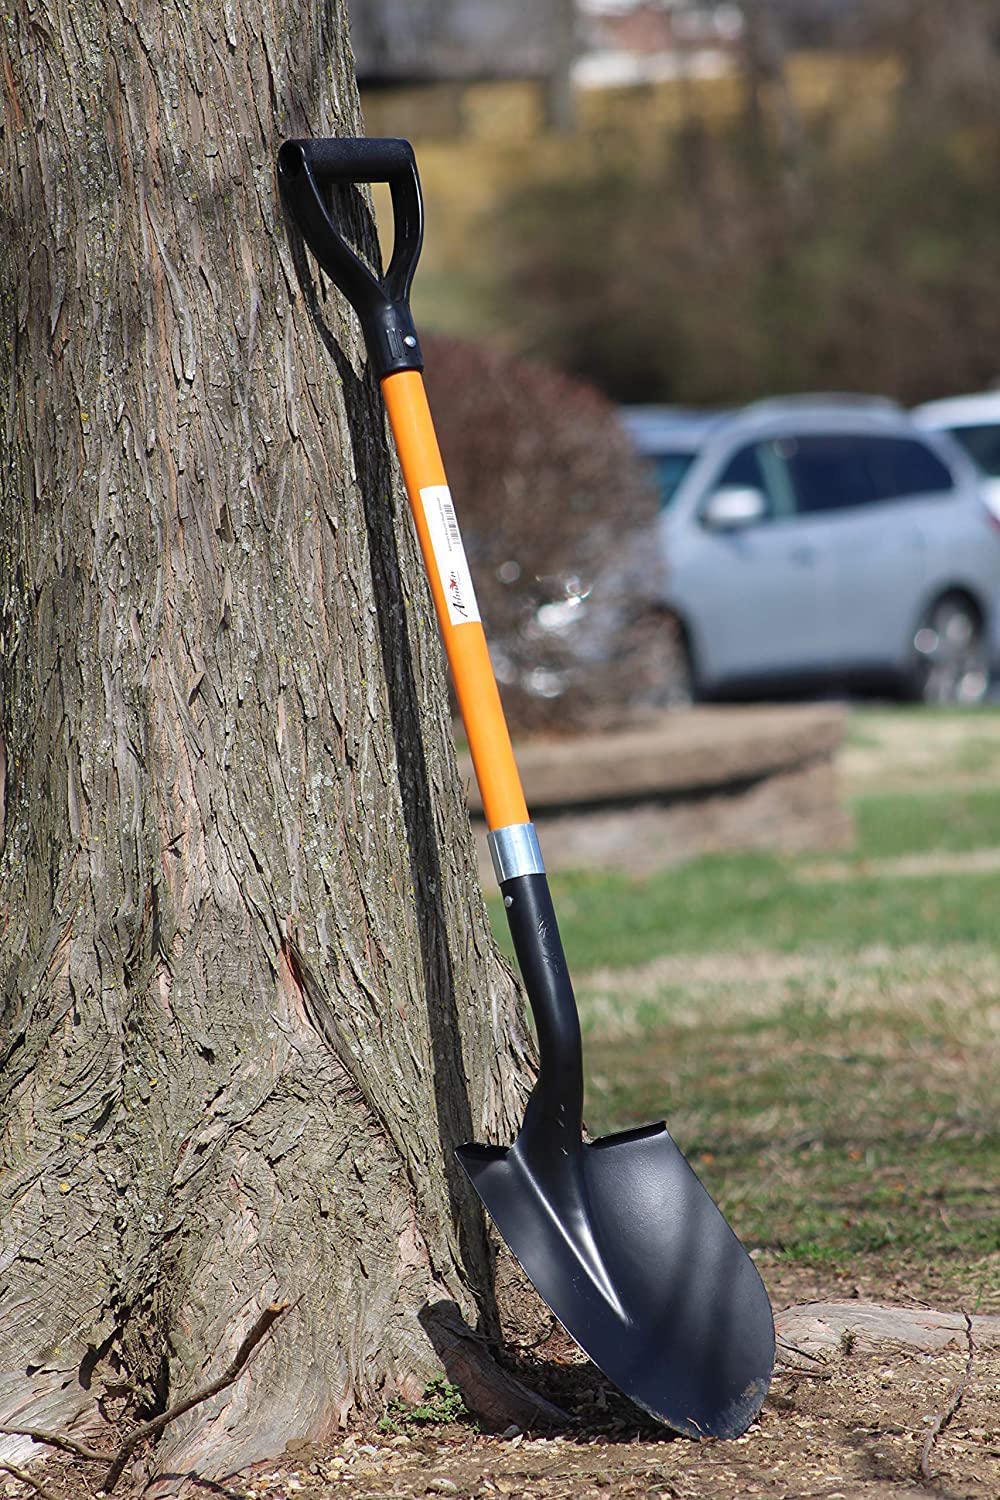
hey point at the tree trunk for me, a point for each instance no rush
(767, 92)
(250, 1000)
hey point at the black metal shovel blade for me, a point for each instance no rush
(638, 1264)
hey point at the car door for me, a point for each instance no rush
(868, 497)
(758, 594)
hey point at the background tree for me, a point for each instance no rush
(249, 999)
(848, 246)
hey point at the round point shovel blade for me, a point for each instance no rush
(638, 1264)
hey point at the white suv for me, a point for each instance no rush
(818, 540)
(973, 422)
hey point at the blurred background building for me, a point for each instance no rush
(401, 42)
(597, 42)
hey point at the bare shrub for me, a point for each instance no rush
(557, 516)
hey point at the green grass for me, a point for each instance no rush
(610, 921)
(442, 1403)
(952, 821)
(921, 749)
(819, 1031)
(849, 1118)
(717, 902)
(866, 725)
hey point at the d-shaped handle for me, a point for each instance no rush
(305, 168)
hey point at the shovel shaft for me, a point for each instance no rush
(454, 601)
(556, 1108)
(305, 169)
(516, 858)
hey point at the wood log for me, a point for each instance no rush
(815, 1328)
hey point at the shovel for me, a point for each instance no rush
(618, 1235)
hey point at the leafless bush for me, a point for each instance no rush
(557, 516)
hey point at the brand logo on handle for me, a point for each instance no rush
(449, 554)
(456, 596)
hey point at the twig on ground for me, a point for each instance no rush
(785, 1348)
(26, 1478)
(149, 1429)
(261, 1327)
(794, 1349)
(941, 1422)
(59, 1440)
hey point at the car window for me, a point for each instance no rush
(837, 471)
(827, 473)
(744, 471)
(779, 484)
(982, 444)
(906, 466)
(756, 467)
(668, 471)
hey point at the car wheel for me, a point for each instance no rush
(949, 654)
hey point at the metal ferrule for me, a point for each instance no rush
(514, 851)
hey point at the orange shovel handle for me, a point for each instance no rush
(454, 599)
(306, 168)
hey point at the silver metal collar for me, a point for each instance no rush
(515, 851)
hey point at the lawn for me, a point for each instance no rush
(820, 1032)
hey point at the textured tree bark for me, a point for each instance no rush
(250, 1002)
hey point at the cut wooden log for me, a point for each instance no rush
(713, 778)
(816, 1328)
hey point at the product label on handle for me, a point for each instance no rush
(449, 554)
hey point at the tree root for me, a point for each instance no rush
(806, 1334)
(57, 1440)
(488, 1390)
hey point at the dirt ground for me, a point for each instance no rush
(851, 1424)
(854, 1427)
(859, 1420)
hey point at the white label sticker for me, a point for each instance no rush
(449, 554)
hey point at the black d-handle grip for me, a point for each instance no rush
(349, 159)
(305, 168)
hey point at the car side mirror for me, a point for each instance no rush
(734, 505)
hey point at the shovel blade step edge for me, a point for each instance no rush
(634, 1258)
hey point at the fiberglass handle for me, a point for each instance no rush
(305, 169)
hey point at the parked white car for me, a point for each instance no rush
(974, 422)
(813, 540)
